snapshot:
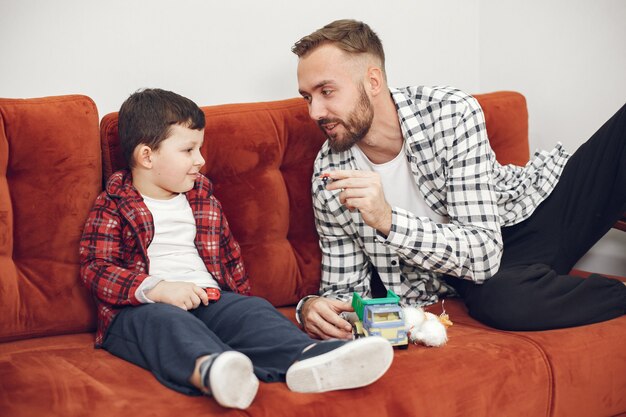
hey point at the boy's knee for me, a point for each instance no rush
(246, 303)
(159, 312)
(258, 303)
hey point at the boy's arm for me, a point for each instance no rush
(101, 262)
(230, 254)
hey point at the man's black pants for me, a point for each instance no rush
(532, 289)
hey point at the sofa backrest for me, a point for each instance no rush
(50, 174)
(260, 159)
(259, 156)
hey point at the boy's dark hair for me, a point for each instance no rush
(147, 115)
(349, 35)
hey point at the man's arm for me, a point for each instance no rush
(345, 269)
(470, 245)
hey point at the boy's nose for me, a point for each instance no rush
(199, 160)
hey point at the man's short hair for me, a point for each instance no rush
(146, 117)
(349, 35)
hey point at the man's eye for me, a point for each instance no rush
(326, 92)
(307, 98)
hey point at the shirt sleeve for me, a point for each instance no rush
(145, 286)
(345, 267)
(230, 253)
(470, 245)
(102, 265)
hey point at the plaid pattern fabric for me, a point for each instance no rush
(457, 173)
(118, 230)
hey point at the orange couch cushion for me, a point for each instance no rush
(479, 373)
(49, 177)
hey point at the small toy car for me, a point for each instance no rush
(213, 293)
(380, 317)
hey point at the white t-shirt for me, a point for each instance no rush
(398, 184)
(172, 253)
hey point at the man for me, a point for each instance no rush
(408, 196)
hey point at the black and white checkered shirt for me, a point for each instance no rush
(458, 175)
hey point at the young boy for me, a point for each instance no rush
(157, 250)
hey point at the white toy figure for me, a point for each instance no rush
(426, 328)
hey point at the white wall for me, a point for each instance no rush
(214, 51)
(567, 57)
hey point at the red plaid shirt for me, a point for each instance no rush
(113, 249)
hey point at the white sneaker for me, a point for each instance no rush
(349, 365)
(232, 381)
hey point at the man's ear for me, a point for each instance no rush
(375, 79)
(143, 156)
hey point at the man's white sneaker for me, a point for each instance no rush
(334, 365)
(231, 380)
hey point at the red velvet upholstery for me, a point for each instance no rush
(259, 156)
(50, 175)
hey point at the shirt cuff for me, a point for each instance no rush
(299, 307)
(404, 230)
(147, 284)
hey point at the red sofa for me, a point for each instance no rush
(54, 157)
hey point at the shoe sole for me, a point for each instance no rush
(353, 365)
(232, 380)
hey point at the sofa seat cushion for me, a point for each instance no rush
(66, 376)
(579, 358)
(475, 374)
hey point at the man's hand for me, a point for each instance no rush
(362, 190)
(185, 295)
(321, 320)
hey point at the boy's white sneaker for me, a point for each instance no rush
(231, 380)
(336, 364)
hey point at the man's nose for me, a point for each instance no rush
(317, 110)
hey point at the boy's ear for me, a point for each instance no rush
(143, 156)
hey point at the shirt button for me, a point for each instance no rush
(394, 263)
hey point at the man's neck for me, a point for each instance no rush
(384, 140)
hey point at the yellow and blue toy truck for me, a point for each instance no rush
(380, 317)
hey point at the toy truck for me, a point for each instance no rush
(380, 317)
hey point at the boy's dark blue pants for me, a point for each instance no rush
(167, 340)
(533, 289)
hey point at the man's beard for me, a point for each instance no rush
(356, 127)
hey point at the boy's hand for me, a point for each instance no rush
(321, 318)
(362, 190)
(185, 295)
